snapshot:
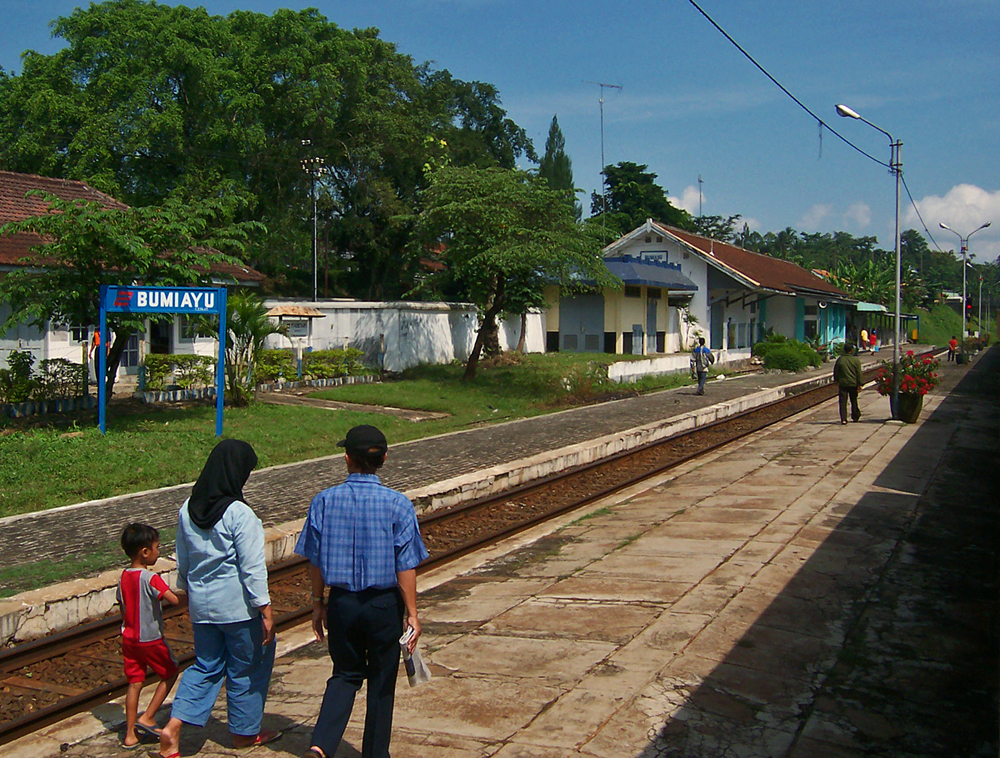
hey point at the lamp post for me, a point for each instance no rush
(896, 169)
(313, 166)
(964, 242)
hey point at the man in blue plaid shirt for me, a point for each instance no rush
(363, 542)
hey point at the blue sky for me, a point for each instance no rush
(927, 71)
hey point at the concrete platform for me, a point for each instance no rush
(811, 590)
(466, 465)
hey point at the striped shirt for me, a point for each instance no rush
(360, 534)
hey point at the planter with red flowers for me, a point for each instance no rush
(917, 377)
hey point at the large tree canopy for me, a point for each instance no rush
(632, 197)
(149, 101)
(504, 236)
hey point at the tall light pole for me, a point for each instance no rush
(896, 169)
(964, 242)
(313, 166)
(604, 178)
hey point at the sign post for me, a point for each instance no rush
(194, 301)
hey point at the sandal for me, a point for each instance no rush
(263, 738)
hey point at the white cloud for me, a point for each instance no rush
(814, 217)
(859, 216)
(688, 200)
(964, 208)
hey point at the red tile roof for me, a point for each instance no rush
(770, 273)
(16, 206)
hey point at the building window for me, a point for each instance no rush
(191, 328)
(653, 293)
(633, 291)
(79, 333)
(812, 310)
(130, 356)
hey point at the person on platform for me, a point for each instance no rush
(701, 360)
(848, 375)
(220, 560)
(140, 592)
(873, 341)
(863, 344)
(952, 348)
(363, 542)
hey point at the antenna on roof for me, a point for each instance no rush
(604, 184)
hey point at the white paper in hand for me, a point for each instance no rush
(416, 670)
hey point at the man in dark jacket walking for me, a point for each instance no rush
(848, 376)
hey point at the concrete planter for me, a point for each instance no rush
(38, 407)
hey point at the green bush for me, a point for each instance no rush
(326, 364)
(184, 371)
(780, 353)
(59, 378)
(16, 382)
(274, 363)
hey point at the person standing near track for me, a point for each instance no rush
(701, 359)
(220, 560)
(363, 542)
(139, 594)
(848, 375)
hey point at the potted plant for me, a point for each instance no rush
(917, 377)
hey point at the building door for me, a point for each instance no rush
(717, 325)
(651, 324)
(159, 336)
(581, 324)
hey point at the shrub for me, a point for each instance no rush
(780, 353)
(583, 380)
(16, 382)
(59, 378)
(325, 364)
(184, 371)
(274, 363)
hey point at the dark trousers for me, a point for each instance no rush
(852, 394)
(364, 630)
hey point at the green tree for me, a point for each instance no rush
(557, 169)
(632, 197)
(505, 235)
(247, 328)
(88, 245)
(717, 227)
(148, 101)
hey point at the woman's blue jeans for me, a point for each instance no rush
(230, 652)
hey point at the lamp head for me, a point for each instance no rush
(843, 110)
(945, 226)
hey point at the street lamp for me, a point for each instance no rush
(313, 167)
(896, 168)
(964, 242)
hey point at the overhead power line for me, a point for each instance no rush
(780, 86)
(820, 121)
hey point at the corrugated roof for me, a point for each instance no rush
(635, 271)
(16, 206)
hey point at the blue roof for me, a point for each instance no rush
(637, 271)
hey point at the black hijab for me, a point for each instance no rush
(221, 482)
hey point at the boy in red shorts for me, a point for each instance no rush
(139, 595)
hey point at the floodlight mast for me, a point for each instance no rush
(604, 184)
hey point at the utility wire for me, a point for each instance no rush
(822, 123)
(780, 86)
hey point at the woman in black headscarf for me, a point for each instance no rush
(220, 560)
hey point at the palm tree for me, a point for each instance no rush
(247, 328)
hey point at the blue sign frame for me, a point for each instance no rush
(196, 301)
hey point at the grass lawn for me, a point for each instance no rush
(50, 461)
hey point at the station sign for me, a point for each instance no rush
(188, 301)
(183, 300)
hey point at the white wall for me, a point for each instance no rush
(399, 335)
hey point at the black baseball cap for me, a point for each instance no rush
(364, 438)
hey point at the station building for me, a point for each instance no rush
(680, 286)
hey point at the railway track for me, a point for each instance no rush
(45, 681)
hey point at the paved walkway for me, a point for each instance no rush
(282, 494)
(812, 590)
